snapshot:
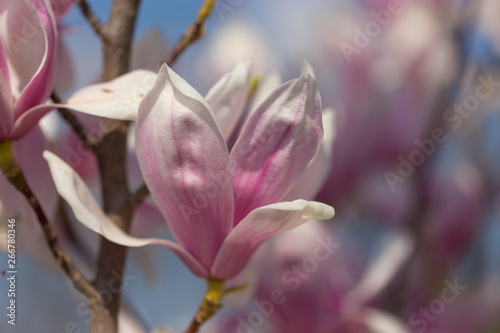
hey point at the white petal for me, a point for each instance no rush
(76, 193)
(259, 225)
(116, 99)
(307, 68)
(229, 95)
(278, 142)
(313, 178)
(383, 322)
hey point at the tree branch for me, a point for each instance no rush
(14, 174)
(193, 33)
(111, 157)
(120, 30)
(91, 18)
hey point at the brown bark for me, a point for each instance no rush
(111, 156)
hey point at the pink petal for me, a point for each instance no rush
(277, 144)
(61, 7)
(28, 153)
(116, 99)
(228, 97)
(29, 41)
(5, 96)
(185, 164)
(76, 193)
(29, 119)
(24, 50)
(259, 225)
(313, 178)
(4, 67)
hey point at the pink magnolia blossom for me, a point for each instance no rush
(228, 98)
(61, 7)
(28, 38)
(455, 215)
(321, 284)
(219, 205)
(388, 90)
(456, 198)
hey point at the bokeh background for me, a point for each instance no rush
(414, 177)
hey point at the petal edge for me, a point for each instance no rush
(259, 225)
(76, 193)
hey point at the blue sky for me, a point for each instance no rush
(170, 17)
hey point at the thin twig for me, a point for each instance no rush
(193, 33)
(210, 305)
(14, 174)
(194, 327)
(91, 18)
(79, 281)
(73, 121)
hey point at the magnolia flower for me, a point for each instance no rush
(61, 7)
(308, 268)
(27, 50)
(229, 101)
(388, 89)
(458, 196)
(219, 205)
(28, 38)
